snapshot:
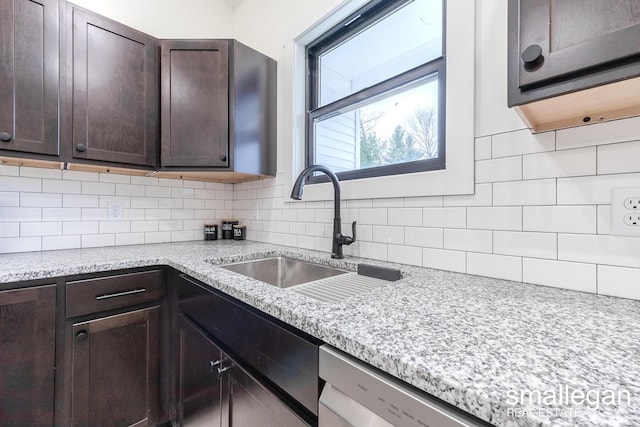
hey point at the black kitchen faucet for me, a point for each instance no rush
(338, 238)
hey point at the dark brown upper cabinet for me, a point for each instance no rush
(113, 89)
(29, 76)
(573, 62)
(218, 106)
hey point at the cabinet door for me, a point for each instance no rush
(251, 404)
(195, 103)
(29, 76)
(115, 370)
(114, 94)
(27, 349)
(199, 388)
(562, 38)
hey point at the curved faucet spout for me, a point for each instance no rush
(338, 238)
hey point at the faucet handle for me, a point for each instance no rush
(353, 231)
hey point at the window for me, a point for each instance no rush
(376, 91)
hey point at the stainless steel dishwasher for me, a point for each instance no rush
(361, 396)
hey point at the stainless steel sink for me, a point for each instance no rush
(283, 272)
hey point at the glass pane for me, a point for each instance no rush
(397, 127)
(409, 37)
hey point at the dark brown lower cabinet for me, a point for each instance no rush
(214, 390)
(27, 356)
(115, 370)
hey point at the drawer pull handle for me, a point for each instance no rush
(121, 294)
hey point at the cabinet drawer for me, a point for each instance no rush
(111, 292)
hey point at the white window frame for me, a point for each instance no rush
(458, 176)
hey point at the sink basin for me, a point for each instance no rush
(283, 272)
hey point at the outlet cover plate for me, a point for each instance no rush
(115, 211)
(620, 210)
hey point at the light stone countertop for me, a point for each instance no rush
(466, 339)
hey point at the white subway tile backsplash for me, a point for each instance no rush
(114, 178)
(80, 201)
(80, 227)
(97, 240)
(468, 240)
(532, 204)
(144, 180)
(619, 158)
(593, 190)
(522, 142)
(388, 203)
(106, 227)
(604, 219)
(500, 266)
(425, 237)
(444, 217)
(165, 182)
(495, 218)
(40, 229)
(16, 183)
(370, 250)
(404, 254)
(405, 216)
(157, 237)
(50, 243)
(40, 200)
(497, 170)
(388, 234)
(40, 173)
(567, 219)
(619, 281)
(182, 236)
(68, 209)
(557, 164)
(9, 198)
(99, 188)
(560, 274)
(61, 186)
(374, 216)
(144, 202)
(130, 190)
(157, 191)
(483, 197)
(94, 214)
(610, 250)
(11, 214)
(183, 193)
(9, 229)
(517, 193)
(129, 239)
(20, 244)
(70, 175)
(534, 245)
(483, 148)
(442, 259)
(61, 214)
(9, 170)
(599, 134)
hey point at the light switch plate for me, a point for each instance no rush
(625, 207)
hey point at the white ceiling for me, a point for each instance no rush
(233, 3)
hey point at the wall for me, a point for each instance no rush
(167, 18)
(46, 209)
(540, 212)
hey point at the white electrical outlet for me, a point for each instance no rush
(115, 211)
(625, 211)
